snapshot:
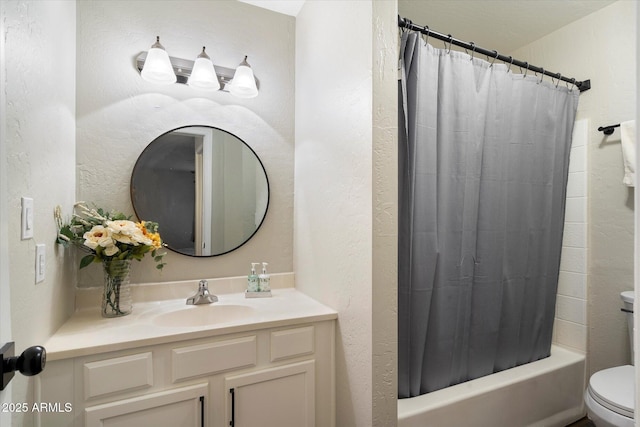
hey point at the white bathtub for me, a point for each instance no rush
(544, 393)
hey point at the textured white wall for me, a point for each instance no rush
(570, 325)
(39, 143)
(333, 216)
(602, 47)
(5, 289)
(385, 214)
(636, 318)
(118, 113)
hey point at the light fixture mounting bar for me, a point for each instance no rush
(183, 68)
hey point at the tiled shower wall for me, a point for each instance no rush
(570, 326)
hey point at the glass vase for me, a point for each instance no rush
(116, 295)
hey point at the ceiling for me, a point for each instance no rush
(502, 25)
(288, 7)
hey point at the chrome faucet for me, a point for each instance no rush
(202, 296)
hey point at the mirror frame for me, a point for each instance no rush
(266, 209)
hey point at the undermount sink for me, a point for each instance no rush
(203, 315)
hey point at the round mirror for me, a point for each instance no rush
(206, 188)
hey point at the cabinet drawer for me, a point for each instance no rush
(210, 358)
(118, 374)
(291, 343)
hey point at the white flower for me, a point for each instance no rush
(123, 238)
(98, 236)
(111, 250)
(101, 236)
(122, 226)
(123, 231)
(139, 237)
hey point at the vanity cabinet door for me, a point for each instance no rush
(184, 406)
(275, 397)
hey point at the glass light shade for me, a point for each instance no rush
(203, 75)
(157, 67)
(243, 84)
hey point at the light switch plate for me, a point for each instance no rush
(41, 259)
(27, 219)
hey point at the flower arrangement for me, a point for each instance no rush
(114, 240)
(109, 236)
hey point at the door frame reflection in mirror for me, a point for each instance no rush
(209, 145)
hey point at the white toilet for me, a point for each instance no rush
(610, 395)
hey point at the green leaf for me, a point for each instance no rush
(62, 242)
(117, 216)
(85, 261)
(66, 231)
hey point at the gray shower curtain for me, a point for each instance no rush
(483, 166)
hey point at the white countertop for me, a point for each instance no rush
(86, 332)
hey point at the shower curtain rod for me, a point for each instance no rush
(493, 54)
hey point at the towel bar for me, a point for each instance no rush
(608, 130)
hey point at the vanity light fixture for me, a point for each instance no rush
(243, 84)
(201, 73)
(157, 67)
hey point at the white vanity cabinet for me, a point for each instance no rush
(273, 377)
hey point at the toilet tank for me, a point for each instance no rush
(627, 300)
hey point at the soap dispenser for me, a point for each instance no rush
(253, 282)
(264, 279)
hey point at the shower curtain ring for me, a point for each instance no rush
(526, 70)
(559, 77)
(473, 50)
(404, 23)
(426, 39)
(510, 63)
(449, 39)
(541, 76)
(494, 58)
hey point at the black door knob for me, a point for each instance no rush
(30, 362)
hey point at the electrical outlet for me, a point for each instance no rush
(26, 230)
(41, 259)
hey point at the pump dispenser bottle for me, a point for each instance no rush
(253, 281)
(264, 279)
